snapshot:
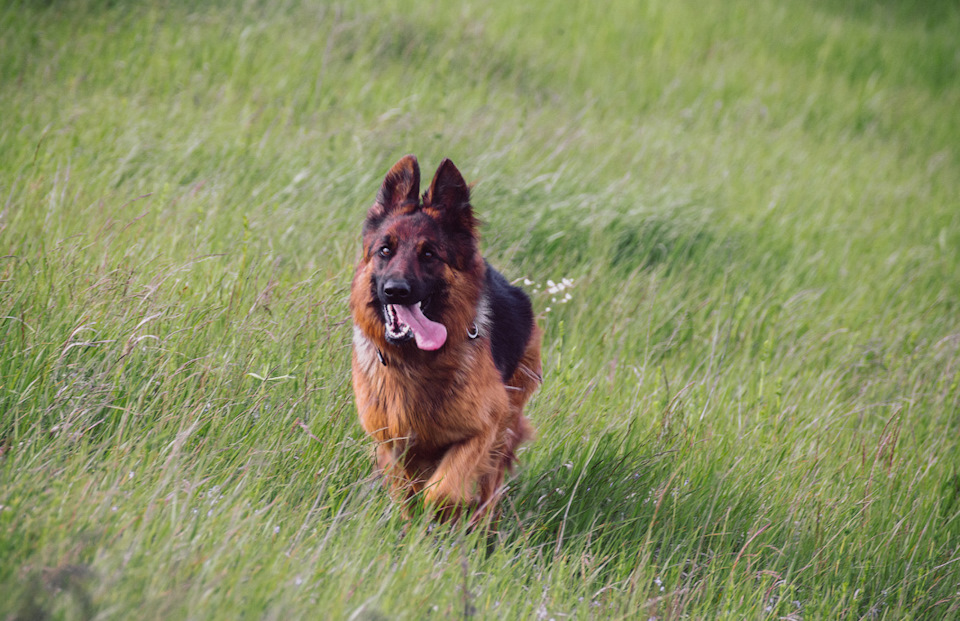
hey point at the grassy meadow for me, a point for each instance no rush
(751, 405)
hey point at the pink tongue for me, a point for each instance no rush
(430, 335)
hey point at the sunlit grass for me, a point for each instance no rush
(738, 223)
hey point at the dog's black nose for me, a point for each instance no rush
(396, 290)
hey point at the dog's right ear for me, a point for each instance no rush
(400, 190)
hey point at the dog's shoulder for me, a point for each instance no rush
(508, 315)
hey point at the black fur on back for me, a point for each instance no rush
(511, 324)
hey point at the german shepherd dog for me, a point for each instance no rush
(445, 351)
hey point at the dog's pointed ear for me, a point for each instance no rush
(448, 191)
(401, 185)
(448, 202)
(400, 189)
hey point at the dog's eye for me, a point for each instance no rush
(385, 252)
(427, 254)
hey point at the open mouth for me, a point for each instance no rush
(403, 323)
(397, 330)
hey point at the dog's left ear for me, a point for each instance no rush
(448, 202)
(448, 198)
(448, 189)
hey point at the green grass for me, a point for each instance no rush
(751, 405)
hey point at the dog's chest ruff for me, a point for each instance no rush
(402, 401)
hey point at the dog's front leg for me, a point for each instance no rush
(395, 478)
(388, 465)
(452, 485)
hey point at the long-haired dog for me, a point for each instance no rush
(445, 351)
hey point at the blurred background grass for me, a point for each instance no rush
(751, 395)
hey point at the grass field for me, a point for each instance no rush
(751, 405)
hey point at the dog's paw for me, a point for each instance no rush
(449, 503)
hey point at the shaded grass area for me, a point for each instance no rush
(751, 394)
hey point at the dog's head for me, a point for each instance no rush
(417, 250)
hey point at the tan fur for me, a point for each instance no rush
(450, 427)
(445, 423)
